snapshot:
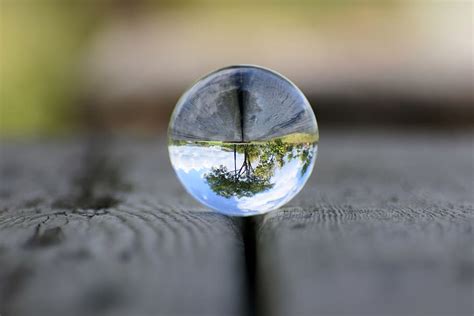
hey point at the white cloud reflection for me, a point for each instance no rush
(202, 159)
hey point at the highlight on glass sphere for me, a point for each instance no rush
(243, 140)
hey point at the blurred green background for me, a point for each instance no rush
(69, 66)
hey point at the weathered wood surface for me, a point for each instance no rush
(107, 230)
(385, 227)
(270, 106)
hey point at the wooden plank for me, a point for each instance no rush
(107, 230)
(385, 227)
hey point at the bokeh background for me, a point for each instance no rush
(78, 65)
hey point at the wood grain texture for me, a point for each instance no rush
(384, 227)
(250, 102)
(107, 230)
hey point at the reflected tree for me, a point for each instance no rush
(242, 182)
(259, 165)
(306, 156)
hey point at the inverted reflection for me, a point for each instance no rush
(243, 178)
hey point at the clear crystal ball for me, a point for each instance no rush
(243, 140)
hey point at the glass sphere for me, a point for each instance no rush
(243, 140)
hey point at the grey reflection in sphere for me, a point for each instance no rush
(242, 103)
(243, 140)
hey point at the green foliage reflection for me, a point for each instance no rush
(260, 162)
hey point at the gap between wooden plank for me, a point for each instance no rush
(115, 240)
(249, 232)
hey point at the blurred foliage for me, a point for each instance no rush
(40, 44)
(44, 43)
